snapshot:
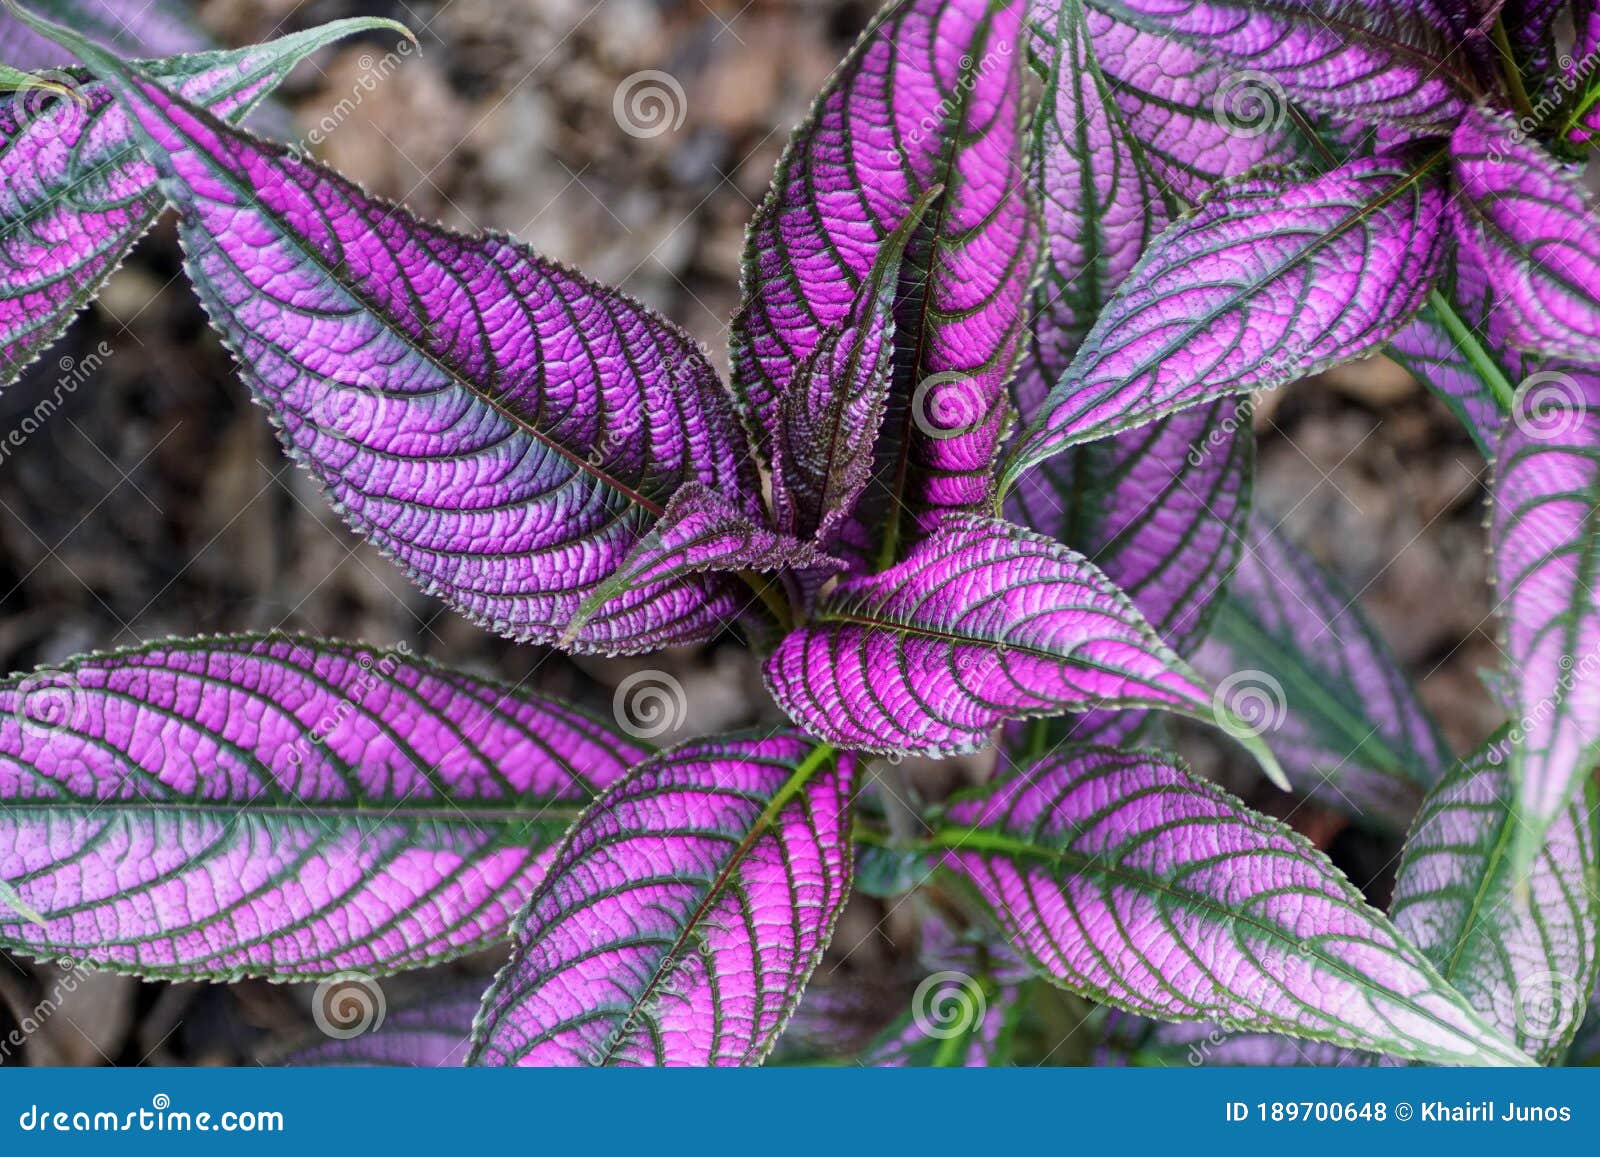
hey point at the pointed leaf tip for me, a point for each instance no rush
(504, 428)
(1121, 877)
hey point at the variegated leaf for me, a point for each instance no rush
(930, 96)
(75, 195)
(1520, 947)
(504, 428)
(1291, 651)
(1268, 281)
(1545, 535)
(279, 807)
(983, 622)
(1121, 877)
(683, 914)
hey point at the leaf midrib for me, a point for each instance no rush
(957, 839)
(381, 811)
(316, 260)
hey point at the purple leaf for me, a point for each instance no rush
(829, 417)
(682, 915)
(74, 193)
(930, 96)
(1579, 81)
(1532, 228)
(433, 1034)
(1427, 348)
(1545, 537)
(145, 28)
(1099, 202)
(504, 428)
(700, 532)
(1126, 880)
(1531, 27)
(1520, 947)
(1197, 121)
(1267, 282)
(1365, 60)
(279, 807)
(983, 622)
(1162, 510)
(1291, 651)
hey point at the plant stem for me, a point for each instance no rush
(1512, 74)
(1467, 341)
(770, 591)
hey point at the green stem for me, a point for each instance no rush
(1467, 340)
(769, 591)
(1512, 74)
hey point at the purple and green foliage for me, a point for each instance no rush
(1546, 531)
(1122, 877)
(681, 917)
(1521, 947)
(930, 98)
(280, 807)
(1095, 220)
(981, 623)
(1269, 280)
(75, 193)
(1293, 654)
(139, 28)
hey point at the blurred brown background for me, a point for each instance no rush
(157, 502)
